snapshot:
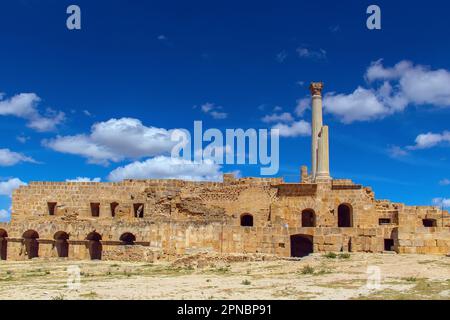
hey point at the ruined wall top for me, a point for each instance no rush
(227, 179)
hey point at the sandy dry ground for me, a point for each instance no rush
(314, 277)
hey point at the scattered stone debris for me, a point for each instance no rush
(203, 260)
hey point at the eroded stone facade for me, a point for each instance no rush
(252, 215)
(152, 219)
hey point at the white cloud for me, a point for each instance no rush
(307, 53)
(168, 168)
(7, 187)
(445, 182)
(296, 129)
(377, 71)
(24, 106)
(4, 215)
(212, 109)
(392, 90)
(302, 106)
(360, 105)
(115, 140)
(218, 115)
(87, 113)
(418, 84)
(84, 146)
(335, 28)
(397, 152)
(429, 140)
(22, 138)
(283, 117)
(261, 107)
(277, 109)
(281, 56)
(442, 202)
(207, 107)
(84, 179)
(10, 158)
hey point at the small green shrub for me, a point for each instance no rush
(410, 279)
(246, 282)
(344, 256)
(58, 297)
(223, 269)
(330, 255)
(307, 270)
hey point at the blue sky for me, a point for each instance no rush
(89, 102)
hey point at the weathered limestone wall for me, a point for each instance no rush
(187, 217)
(325, 202)
(414, 237)
(171, 239)
(174, 198)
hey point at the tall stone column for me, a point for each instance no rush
(316, 104)
(323, 161)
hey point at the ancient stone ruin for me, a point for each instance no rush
(143, 220)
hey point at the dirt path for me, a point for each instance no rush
(314, 277)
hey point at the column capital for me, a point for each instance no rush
(316, 88)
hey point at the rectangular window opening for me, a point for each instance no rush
(138, 210)
(384, 221)
(113, 208)
(95, 209)
(51, 208)
(388, 244)
(429, 223)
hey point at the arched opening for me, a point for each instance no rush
(345, 216)
(3, 244)
(308, 218)
(246, 220)
(128, 238)
(94, 245)
(301, 245)
(31, 243)
(61, 244)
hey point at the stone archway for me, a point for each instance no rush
(94, 245)
(61, 244)
(301, 245)
(31, 243)
(3, 244)
(308, 218)
(127, 238)
(345, 216)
